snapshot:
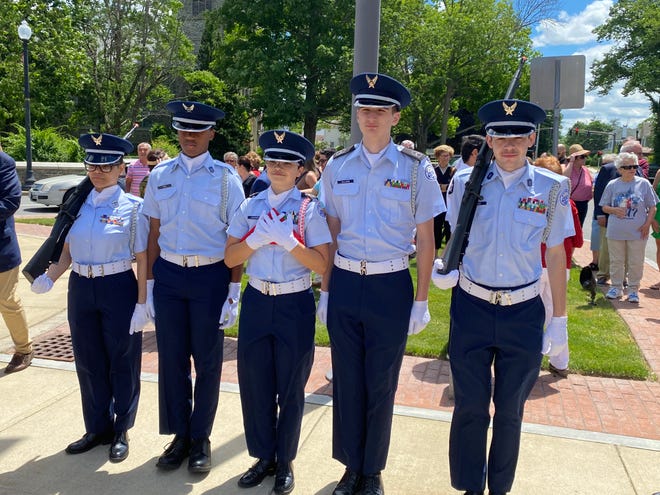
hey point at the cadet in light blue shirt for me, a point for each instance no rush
(106, 304)
(282, 235)
(190, 201)
(379, 197)
(497, 314)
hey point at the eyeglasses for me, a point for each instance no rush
(103, 168)
(581, 157)
(628, 167)
(283, 165)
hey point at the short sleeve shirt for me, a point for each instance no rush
(636, 196)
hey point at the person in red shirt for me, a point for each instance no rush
(558, 364)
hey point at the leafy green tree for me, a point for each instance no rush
(56, 62)
(135, 50)
(292, 57)
(633, 27)
(451, 54)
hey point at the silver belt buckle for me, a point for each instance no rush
(363, 267)
(90, 271)
(184, 260)
(265, 287)
(501, 297)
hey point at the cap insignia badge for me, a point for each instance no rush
(509, 109)
(279, 137)
(371, 81)
(97, 141)
(188, 108)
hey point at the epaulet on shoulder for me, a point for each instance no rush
(417, 155)
(134, 198)
(305, 195)
(550, 174)
(343, 152)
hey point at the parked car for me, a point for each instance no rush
(54, 191)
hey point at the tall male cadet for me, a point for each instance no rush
(377, 195)
(190, 201)
(497, 315)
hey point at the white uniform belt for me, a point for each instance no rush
(102, 270)
(277, 289)
(502, 297)
(189, 260)
(364, 267)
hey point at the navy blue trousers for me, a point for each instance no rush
(275, 356)
(507, 338)
(368, 320)
(108, 359)
(188, 303)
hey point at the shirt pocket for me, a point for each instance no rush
(205, 206)
(396, 205)
(346, 197)
(528, 227)
(168, 202)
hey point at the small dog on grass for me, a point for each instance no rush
(588, 280)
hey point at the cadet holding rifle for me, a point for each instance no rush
(497, 315)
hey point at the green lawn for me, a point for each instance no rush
(600, 341)
(37, 221)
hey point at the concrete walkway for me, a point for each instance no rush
(583, 435)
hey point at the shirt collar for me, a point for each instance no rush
(192, 164)
(103, 197)
(526, 179)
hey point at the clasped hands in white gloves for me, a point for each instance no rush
(443, 281)
(42, 284)
(279, 228)
(555, 337)
(229, 313)
(140, 318)
(322, 308)
(258, 237)
(419, 317)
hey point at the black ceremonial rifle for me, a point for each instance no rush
(457, 244)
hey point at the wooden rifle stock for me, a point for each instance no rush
(457, 244)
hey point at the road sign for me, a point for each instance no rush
(558, 82)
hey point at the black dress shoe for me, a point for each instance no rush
(372, 484)
(284, 482)
(349, 484)
(256, 474)
(496, 493)
(88, 442)
(175, 453)
(472, 492)
(119, 447)
(200, 456)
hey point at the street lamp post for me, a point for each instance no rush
(25, 33)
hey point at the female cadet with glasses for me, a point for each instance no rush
(282, 235)
(106, 303)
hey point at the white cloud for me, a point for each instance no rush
(572, 35)
(572, 29)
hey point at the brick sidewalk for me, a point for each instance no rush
(596, 404)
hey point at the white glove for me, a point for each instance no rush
(419, 317)
(555, 338)
(42, 284)
(258, 237)
(140, 318)
(229, 313)
(322, 308)
(150, 299)
(280, 230)
(443, 281)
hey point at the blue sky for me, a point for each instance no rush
(571, 34)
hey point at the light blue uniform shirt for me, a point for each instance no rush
(188, 205)
(374, 203)
(102, 233)
(504, 248)
(272, 262)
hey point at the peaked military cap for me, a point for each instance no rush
(285, 146)
(104, 149)
(510, 118)
(378, 90)
(192, 116)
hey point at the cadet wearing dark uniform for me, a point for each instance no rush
(497, 315)
(377, 196)
(190, 200)
(106, 305)
(283, 235)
